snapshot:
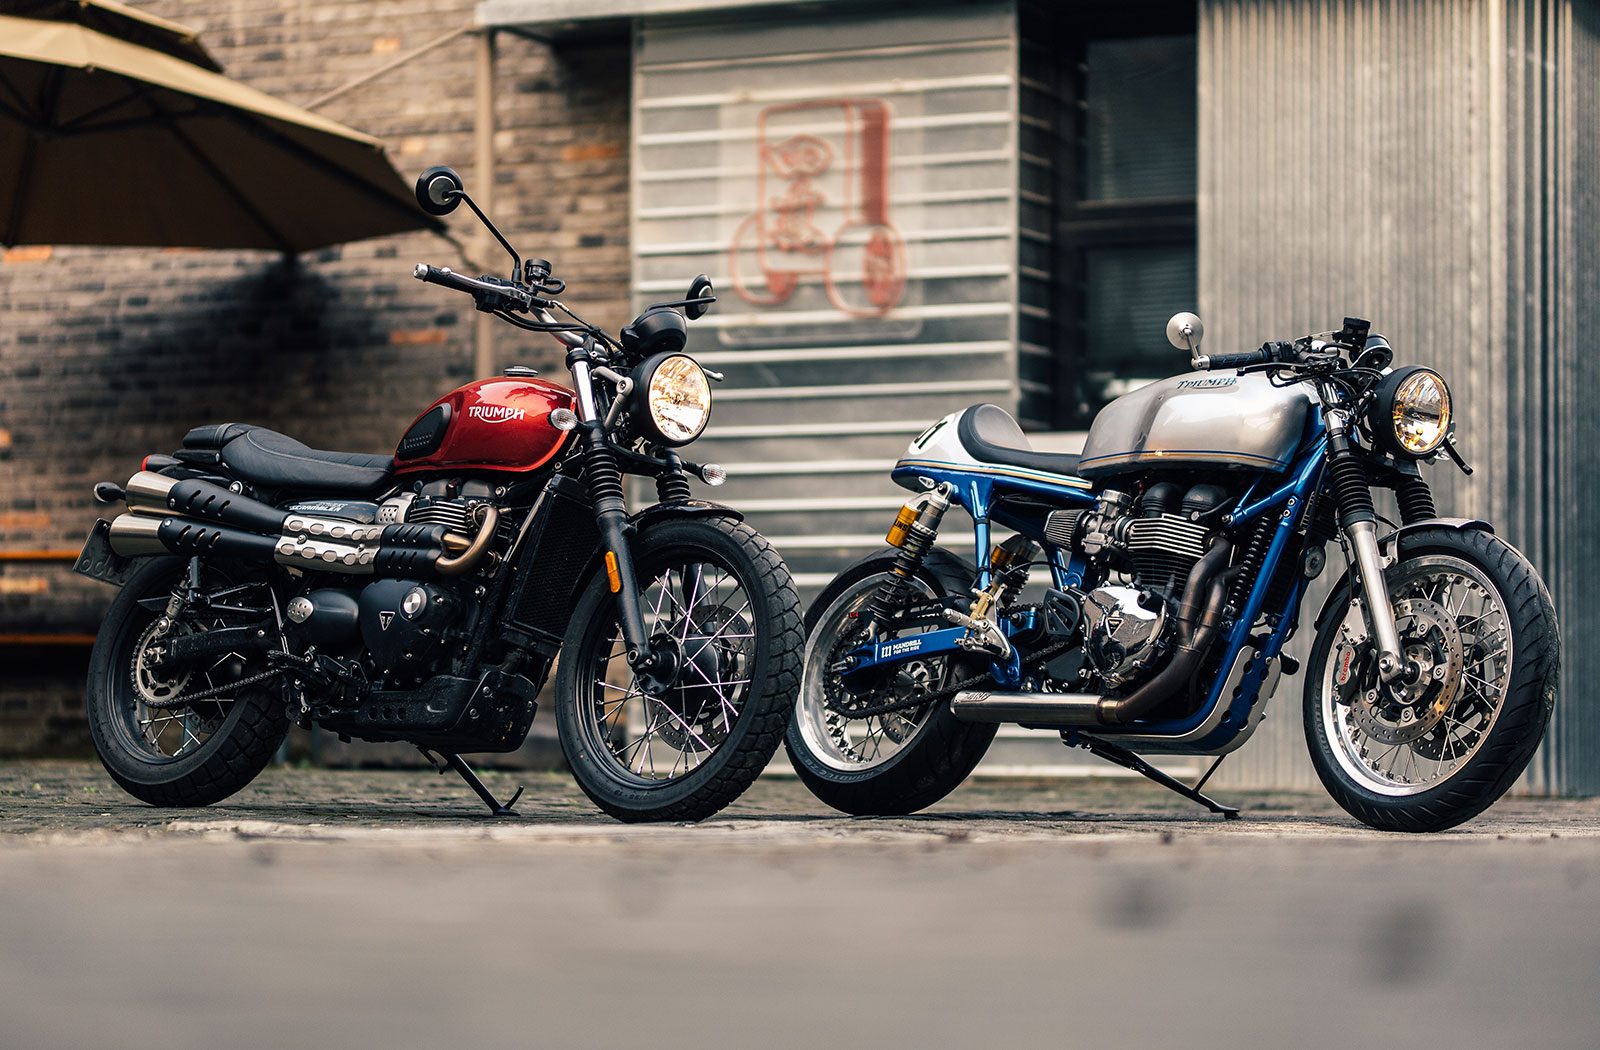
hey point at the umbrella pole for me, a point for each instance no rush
(483, 129)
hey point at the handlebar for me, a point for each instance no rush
(1270, 353)
(447, 277)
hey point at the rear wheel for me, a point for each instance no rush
(157, 743)
(1425, 755)
(899, 761)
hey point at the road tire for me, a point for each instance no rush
(719, 589)
(1455, 591)
(847, 768)
(188, 755)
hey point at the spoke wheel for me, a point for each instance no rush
(160, 747)
(821, 710)
(1403, 738)
(892, 763)
(686, 740)
(1431, 750)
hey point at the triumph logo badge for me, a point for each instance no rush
(385, 619)
(496, 413)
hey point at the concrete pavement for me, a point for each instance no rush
(381, 909)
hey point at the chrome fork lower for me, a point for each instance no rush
(1380, 614)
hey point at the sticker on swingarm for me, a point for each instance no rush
(900, 647)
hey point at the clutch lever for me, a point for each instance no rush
(1455, 456)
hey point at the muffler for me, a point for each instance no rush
(1039, 709)
(393, 550)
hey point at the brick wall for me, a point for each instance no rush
(108, 354)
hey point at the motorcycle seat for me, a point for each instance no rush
(990, 435)
(273, 460)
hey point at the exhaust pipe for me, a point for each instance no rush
(1197, 627)
(407, 550)
(1040, 709)
(154, 493)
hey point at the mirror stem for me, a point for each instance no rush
(516, 260)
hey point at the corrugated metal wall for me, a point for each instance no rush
(1417, 162)
(823, 392)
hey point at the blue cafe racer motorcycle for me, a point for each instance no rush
(1178, 548)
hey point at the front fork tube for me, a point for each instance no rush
(1358, 518)
(611, 515)
(1369, 564)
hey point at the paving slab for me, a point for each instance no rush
(386, 909)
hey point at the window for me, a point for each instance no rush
(1118, 133)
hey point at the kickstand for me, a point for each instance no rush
(1128, 760)
(454, 762)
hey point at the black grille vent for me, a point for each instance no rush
(426, 434)
(561, 541)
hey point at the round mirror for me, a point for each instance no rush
(1184, 331)
(439, 190)
(699, 288)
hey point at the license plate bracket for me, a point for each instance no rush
(99, 562)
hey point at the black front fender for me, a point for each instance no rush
(1386, 544)
(694, 508)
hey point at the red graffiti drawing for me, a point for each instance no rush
(863, 262)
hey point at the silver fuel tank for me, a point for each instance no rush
(1198, 420)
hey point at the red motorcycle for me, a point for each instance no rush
(424, 597)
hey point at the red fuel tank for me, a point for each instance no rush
(492, 424)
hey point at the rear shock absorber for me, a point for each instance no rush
(912, 534)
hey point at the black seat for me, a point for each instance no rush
(277, 461)
(990, 435)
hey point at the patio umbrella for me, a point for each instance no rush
(122, 22)
(110, 142)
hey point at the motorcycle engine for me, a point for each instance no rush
(400, 631)
(1129, 628)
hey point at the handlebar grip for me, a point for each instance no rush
(445, 276)
(1255, 357)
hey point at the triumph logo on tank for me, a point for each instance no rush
(496, 413)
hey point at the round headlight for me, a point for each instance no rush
(1411, 413)
(673, 397)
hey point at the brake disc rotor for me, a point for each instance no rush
(1401, 712)
(692, 712)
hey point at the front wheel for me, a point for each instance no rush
(899, 761)
(717, 599)
(1478, 626)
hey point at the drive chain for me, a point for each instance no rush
(207, 694)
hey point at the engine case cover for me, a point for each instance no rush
(395, 642)
(1124, 638)
(1198, 420)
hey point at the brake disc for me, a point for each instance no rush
(1400, 712)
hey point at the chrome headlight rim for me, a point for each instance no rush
(671, 400)
(1404, 396)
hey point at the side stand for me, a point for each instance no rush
(453, 761)
(1128, 760)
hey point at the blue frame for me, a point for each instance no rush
(977, 489)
